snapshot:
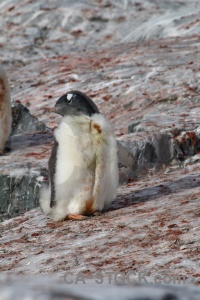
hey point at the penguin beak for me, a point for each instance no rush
(58, 109)
(53, 110)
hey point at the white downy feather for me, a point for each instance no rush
(87, 167)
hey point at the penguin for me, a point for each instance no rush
(5, 110)
(83, 165)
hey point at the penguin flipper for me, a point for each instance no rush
(106, 169)
(52, 170)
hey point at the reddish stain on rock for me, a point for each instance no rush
(192, 137)
(106, 98)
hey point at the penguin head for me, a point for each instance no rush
(75, 103)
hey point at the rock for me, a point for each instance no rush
(25, 167)
(188, 142)
(179, 20)
(132, 127)
(22, 172)
(126, 157)
(192, 160)
(162, 148)
(56, 25)
(183, 247)
(23, 121)
(151, 151)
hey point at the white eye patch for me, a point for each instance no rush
(69, 97)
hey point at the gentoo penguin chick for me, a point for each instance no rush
(83, 166)
(5, 110)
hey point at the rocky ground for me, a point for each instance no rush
(140, 63)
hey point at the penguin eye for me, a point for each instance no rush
(69, 98)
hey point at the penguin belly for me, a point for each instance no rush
(86, 173)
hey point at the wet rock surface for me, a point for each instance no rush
(140, 63)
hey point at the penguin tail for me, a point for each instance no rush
(45, 200)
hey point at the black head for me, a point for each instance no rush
(75, 103)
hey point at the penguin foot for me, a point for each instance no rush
(96, 213)
(77, 217)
